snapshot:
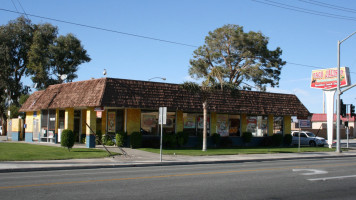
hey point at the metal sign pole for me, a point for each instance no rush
(162, 118)
(160, 147)
(300, 129)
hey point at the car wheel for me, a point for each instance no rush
(312, 144)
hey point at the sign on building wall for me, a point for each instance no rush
(200, 120)
(304, 124)
(222, 125)
(327, 78)
(111, 120)
(189, 120)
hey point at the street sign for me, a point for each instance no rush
(304, 124)
(162, 115)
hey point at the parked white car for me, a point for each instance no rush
(307, 139)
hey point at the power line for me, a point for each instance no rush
(303, 10)
(335, 7)
(130, 34)
(13, 3)
(103, 29)
(23, 9)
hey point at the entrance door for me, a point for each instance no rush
(77, 125)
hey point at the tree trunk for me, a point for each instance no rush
(204, 124)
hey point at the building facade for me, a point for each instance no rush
(111, 105)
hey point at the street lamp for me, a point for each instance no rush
(157, 77)
(338, 149)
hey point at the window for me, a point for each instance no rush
(149, 123)
(222, 124)
(189, 123)
(278, 125)
(257, 125)
(234, 125)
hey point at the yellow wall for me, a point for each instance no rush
(212, 123)
(57, 121)
(287, 120)
(91, 120)
(15, 124)
(133, 121)
(243, 123)
(29, 122)
(179, 121)
(69, 119)
(270, 124)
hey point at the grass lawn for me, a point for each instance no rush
(235, 151)
(25, 152)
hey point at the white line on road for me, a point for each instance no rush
(331, 178)
(311, 171)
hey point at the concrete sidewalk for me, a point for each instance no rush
(139, 158)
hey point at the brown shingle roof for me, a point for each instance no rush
(109, 92)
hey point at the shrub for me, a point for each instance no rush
(170, 140)
(215, 139)
(182, 138)
(151, 142)
(267, 141)
(135, 140)
(67, 139)
(106, 140)
(277, 139)
(246, 137)
(83, 138)
(120, 138)
(225, 142)
(98, 137)
(287, 139)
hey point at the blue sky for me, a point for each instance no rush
(306, 39)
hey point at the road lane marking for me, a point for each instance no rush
(175, 175)
(331, 178)
(138, 178)
(310, 171)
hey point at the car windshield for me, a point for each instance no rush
(310, 134)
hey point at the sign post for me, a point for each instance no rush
(162, 119)
(330, 80)
(303, 124)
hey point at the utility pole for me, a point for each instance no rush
(338, 149)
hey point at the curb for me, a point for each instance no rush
(171, 163)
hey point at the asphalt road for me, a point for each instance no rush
(294, 179)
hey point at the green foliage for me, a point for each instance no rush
(120, 138)
(246, 137)
(35, 50)
(98, 137)
(233, 56)
(135, 140)
(225, 142)
(107, 140)
(67, 139)
(83, 138)
(170, 140)
(151, 142)
(287, 139)
(182, 138)
(216, 139)
(277, 139)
